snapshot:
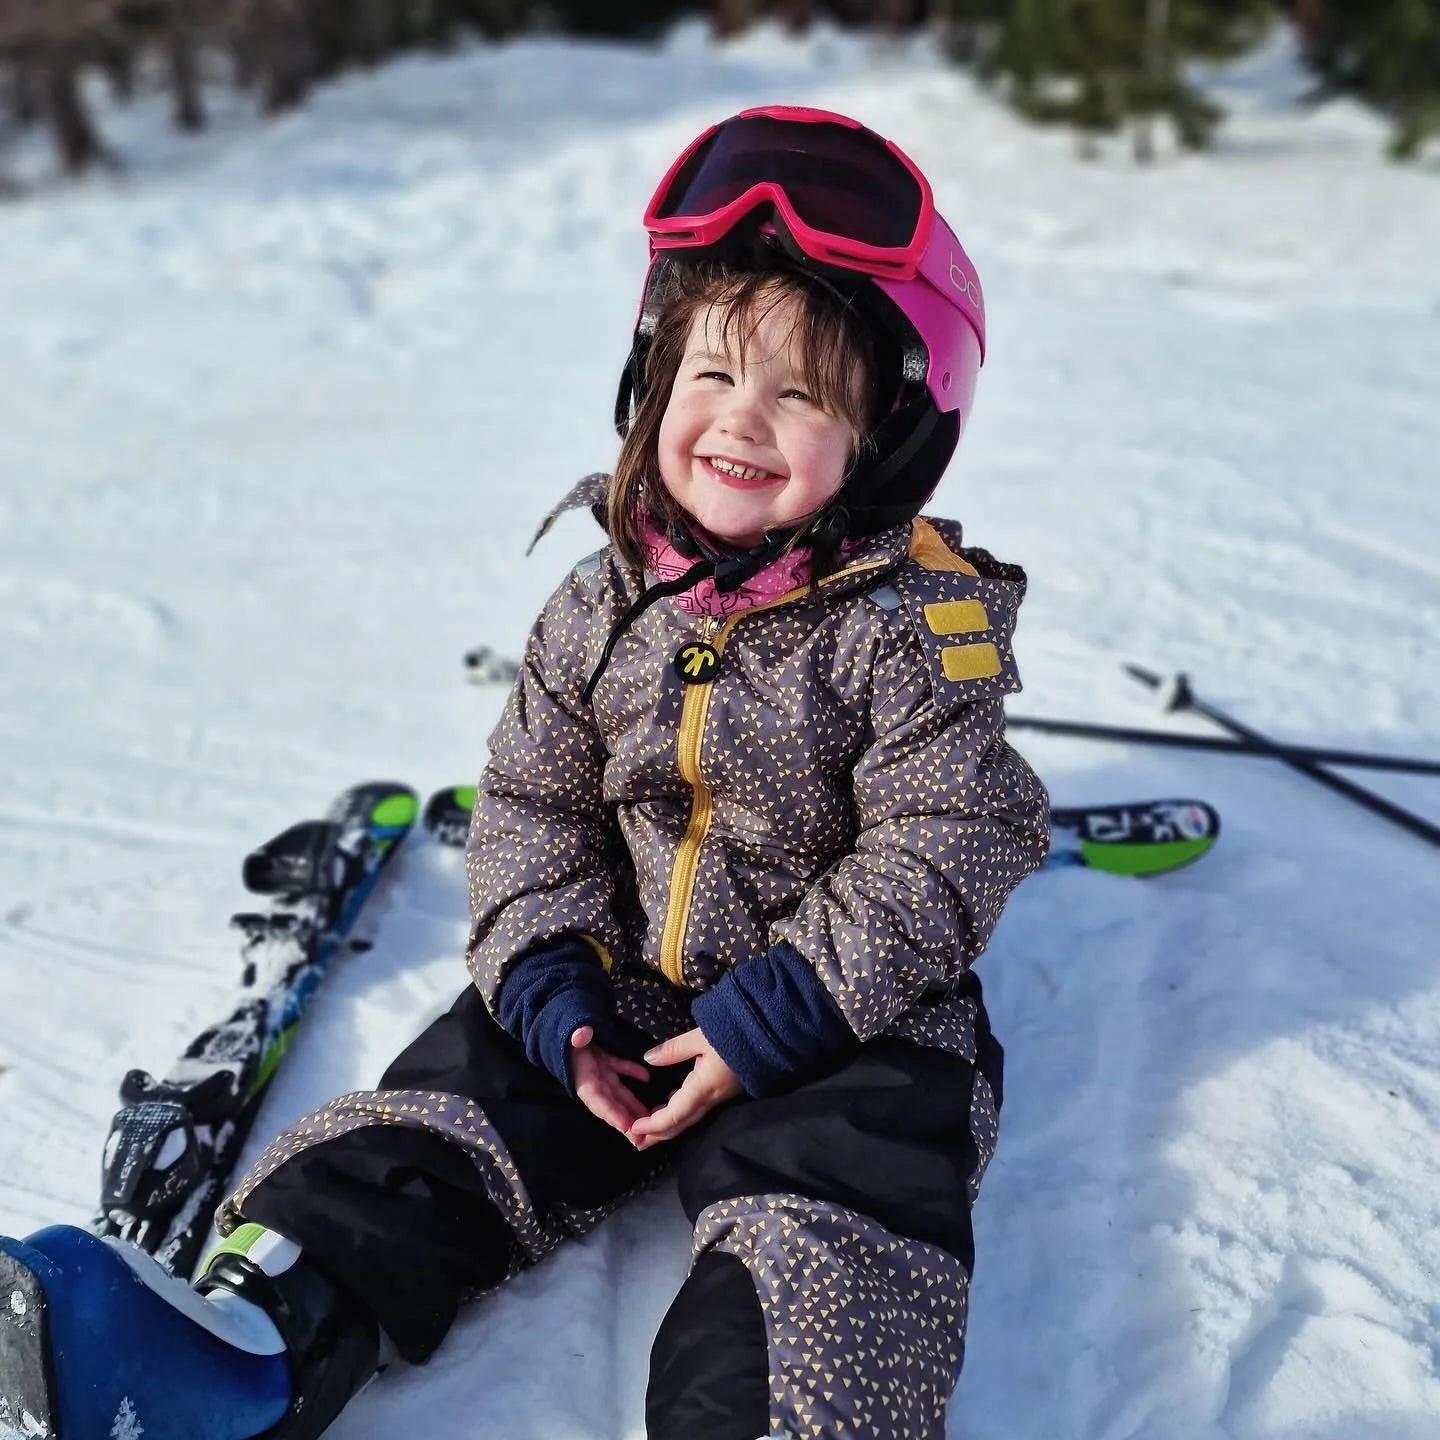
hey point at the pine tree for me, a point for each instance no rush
(1098, 64)
(969, 29)
(1388, 53)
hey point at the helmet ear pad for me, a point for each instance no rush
(623, 393)
(902, 463)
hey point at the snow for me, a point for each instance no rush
(281, 408)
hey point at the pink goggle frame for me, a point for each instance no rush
(879, 227)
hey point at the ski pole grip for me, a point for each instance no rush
(1175, 694)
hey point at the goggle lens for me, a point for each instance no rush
(842, 182)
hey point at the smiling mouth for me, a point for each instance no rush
(734, 473)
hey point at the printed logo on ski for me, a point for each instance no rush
(127, 1424)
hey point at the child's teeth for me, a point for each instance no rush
(741, 472)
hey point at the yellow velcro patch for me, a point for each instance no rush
(956, 617)
(970, 662)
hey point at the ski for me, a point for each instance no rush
(447, 813)
(1177, 694)
(172, 1146)
(483, 666)
(1147, 837)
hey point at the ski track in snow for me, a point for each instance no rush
(281, 410)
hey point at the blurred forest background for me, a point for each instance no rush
(1101, 66)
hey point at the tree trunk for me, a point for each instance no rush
(331, 35)
(1154, 72)
(940, 21)
(729, 17)
(372, 30)
(495, 19)
(180, 44)
(243, 45)
(436, 23)
(116, 56)
(284, 56)
(1306, 16)
(796, 15)
(75, 135)
(22, 87)
(891, 16)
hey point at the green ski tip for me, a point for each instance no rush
(270, 1060)
(1152, 857)
(395, 812)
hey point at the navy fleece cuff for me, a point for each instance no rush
(548, 994)
(771, 1020)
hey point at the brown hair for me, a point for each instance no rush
(830, 339)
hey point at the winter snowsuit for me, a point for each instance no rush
(818, 840)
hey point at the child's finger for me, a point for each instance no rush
(674, 1050)
(670, 1119)
(622, 1094)
(627, 1102)
(582, 1037)
(605, 1107)
(644, 1139)
(632, 1068)
(651, 1124)
(602, 1109)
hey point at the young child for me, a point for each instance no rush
(748, 819)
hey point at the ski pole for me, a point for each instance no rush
(1086, 730)
(1183, 697)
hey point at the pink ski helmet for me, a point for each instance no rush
(851, 209)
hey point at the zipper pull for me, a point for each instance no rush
(696, 662)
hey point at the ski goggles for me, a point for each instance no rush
(845, 195)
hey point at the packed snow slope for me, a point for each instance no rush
(279, 410)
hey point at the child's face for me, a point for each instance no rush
(743, 448)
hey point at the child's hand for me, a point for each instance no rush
(710, 1083)
(600, 1081)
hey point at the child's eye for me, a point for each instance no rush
(798, 395)
(713, 375)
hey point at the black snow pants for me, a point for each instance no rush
(832, 1236)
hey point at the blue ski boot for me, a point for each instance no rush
(98, 1342)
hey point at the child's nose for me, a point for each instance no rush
(744, 416)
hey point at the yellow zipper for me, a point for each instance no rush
(687, 857)
(693, 711)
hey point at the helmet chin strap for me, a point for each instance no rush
(693, 576)
(729, 571)
(825, 530)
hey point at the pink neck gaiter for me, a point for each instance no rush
(789, 572)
